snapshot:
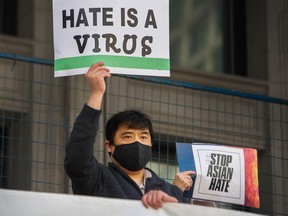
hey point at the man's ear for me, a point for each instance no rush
(108, 146)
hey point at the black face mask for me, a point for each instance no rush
(132, 156)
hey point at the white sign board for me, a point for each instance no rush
(221, 174)
(130, 37)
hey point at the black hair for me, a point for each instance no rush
(132, 119)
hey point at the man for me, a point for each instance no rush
(129, 137)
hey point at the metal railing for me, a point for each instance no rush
(37, 112)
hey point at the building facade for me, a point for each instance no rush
(216, 43)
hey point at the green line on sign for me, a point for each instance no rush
(112, 61)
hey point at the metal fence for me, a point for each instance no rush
(37, 112)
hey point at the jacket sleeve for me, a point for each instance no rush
(80, 163)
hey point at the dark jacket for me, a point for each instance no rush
(92, 178)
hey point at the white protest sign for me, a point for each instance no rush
(130, 37)
(220, 173)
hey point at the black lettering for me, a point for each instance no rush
(213, 159)
(125, 42)
(66, 18)
(230, 173)
(96, 42)
(131, 14)
(146, 50)
(223, 174)
(218, 185)
(82, 19)
(209, 171)
(227, 185)
(229, 159)
(215, 173)
(223, 181)
(107, 15)
(150, 19)
(212, 184)
(218, 158)
(111, 41)
(81, 47)
(122, 16)
(94, 11)
(223, 160)
(220, 171)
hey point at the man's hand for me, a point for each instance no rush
(156, 198)
(95, 77)
(183, 180)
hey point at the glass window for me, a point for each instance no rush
(164, 159)
(208, 36)
(8, 17)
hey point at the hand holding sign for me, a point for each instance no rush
(224, 174)
(183, 180)
(95, 78)
(156, 198)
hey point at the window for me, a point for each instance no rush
(208, 36)
(15, 151)
(164, 159)
(8, 17)
(234, 46)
